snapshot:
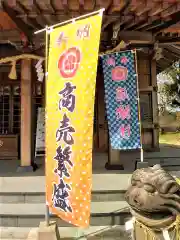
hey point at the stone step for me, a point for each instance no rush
(101, 196)
(105, 187)
(100, 182)
(173, 169)
(165, 162)
(18, 233)
(30, 215)
(67, 233)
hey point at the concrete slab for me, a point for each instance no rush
(30, 215)
(18, 233)
(65, 232)
(96, 196)
(50, 232)
(97, 208)
(100, 182)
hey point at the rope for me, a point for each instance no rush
(151, 235)
(14, 59)
(147, 231)
(18, 57)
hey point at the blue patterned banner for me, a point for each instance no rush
(122, 100)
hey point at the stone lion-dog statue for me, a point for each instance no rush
(154, 199)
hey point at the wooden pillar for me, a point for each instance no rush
(26, 115)
(155, 105)
(103, 138)
(102, 128)
(114, 156)
(114, 161)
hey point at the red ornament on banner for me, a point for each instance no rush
(119, 73)
(69, 61)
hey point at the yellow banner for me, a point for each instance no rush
(70, 92)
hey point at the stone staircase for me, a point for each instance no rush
(22, 208)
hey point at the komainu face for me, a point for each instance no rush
(154, 192)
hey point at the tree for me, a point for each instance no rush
(163, 98)
(172, 88)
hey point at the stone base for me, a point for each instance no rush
(140, 165)
(109, 166)
(50, 232)
(22, 169)
(30, 168)
(35, 166)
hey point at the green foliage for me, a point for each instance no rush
(172, 89)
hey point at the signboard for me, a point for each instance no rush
(70, 90)
(121, 96)
(40, 132)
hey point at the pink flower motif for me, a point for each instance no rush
(124, 60)
(119, 73)
(123, 112)
(111, 61)
(121, 94)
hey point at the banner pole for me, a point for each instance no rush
(139, 109)
(47, 216)
(46, 78)
(70, 20)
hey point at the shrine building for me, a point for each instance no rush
(151, 27)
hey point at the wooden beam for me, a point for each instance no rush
(126, 20)
(168, 57)
(171, 10)
(48, 6)
(164, 39)
(81, 6)
(136, 21)
(122, 21)
(136, 35)
(52, 6)
(10, 35)
(40, 18)
(172, 56)
(32, 22)
(118, 6)
(144, 7)
(108, 7)
(65, 6)
(154, 25)
(157, 9)
(108, 20)
(174, 49)
(163, 65)
(13, 35)
(150, 24)
(175, 18)
(29, 21)
(136, 24)
(175, 28)
(17, 6)
(19, 23)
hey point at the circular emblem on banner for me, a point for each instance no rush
(119, 73)
(69, 62)
(1, 143)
